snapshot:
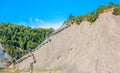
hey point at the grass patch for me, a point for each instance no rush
(55, 69)
(43, 70)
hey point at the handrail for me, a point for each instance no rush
(48, 39)
(45, 42)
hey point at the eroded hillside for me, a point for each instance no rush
(83, 48)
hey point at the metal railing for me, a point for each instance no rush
(45, 42)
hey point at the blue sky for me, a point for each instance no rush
(46, 13)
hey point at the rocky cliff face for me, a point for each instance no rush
(4, 57)
(84, 48)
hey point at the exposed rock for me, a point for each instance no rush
(4, 57)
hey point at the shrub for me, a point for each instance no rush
(93, 16)
(116, 11)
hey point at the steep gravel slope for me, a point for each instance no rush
(84, 48)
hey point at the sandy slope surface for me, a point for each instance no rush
(83, 48)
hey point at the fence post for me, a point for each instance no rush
(34, 61)
(31, 67)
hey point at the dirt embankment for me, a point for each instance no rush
(84, 48)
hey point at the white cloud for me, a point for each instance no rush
(30, 19)
(36, 23)
(38, 20)
(22, 23)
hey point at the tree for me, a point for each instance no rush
(116, 11)
(71, 16)
(13, 37)
(100, 10)
(110, 5)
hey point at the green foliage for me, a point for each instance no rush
(94, 15)
(18, 39)
(116, 11)
(100, 10)
(111, 5)
(71, 16)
